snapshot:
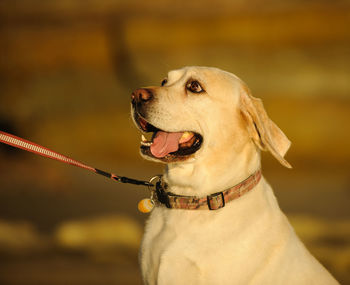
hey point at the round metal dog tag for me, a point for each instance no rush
(145, 205)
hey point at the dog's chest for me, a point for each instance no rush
(184, 241)
(166, 233)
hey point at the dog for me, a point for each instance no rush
(216, 219)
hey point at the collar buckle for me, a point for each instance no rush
(213, 201)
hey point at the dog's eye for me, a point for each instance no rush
(194, 86)
(165, 81)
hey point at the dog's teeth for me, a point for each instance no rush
(185, 136)
(146, 143)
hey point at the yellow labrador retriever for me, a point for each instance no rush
(216, 219)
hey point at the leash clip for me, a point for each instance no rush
(146, 205)
(158, 194)
(155, 184)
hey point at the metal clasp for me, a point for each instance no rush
(154, 182)
(213, 204)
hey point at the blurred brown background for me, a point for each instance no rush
(67, 68)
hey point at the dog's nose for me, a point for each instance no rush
(141, 95)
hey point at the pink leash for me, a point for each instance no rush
(43, 151)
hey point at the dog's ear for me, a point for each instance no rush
(265, 134)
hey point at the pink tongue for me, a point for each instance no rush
(164, 143)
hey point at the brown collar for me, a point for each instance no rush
(212, 202)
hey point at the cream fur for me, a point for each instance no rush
(249, 241)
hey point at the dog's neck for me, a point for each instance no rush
(200, 177)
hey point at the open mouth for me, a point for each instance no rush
(167, 146)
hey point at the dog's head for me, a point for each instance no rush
(201, 112)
